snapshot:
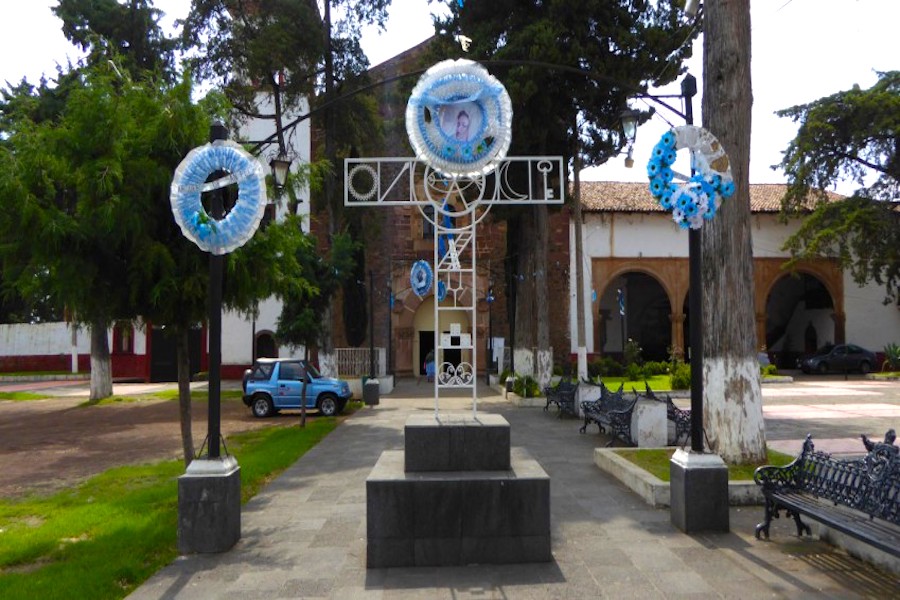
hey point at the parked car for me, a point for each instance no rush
(273, 384)
(838, 358)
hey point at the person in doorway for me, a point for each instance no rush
(429, 365)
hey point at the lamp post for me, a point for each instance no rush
(490, 341)
(629, 128)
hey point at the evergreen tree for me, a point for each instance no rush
(570, 67)
(851, 135)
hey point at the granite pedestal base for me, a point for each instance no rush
(429, 517)
(699, 492)
(209, 506)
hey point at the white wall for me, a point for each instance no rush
(47, 339)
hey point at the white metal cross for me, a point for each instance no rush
(458, 206)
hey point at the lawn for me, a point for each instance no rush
(657, 383)
(656, 462)
(105, 537)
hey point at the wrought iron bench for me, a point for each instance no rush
(680, 417)
(563, 396)
(612, 414)
(860, 498)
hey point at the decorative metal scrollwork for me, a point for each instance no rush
(462, 374)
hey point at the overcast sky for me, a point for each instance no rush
(802, 50)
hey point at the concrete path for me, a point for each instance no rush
(304, 535)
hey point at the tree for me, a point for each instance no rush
(291, 51)
(570, 67)
(851, 135)
(733, 401)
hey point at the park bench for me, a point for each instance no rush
(612, 414)
(680, 417)
(563, 396)
(860, 497)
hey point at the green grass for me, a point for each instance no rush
(20, 396)
(105, 537)
(656, 462)
(196, 396)
(658, 383)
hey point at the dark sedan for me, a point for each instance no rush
(838, 358)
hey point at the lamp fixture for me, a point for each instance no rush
(280, 166)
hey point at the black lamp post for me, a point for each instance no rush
(490, 341)
(216, 266)
(629, 128)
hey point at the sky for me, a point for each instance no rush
(802, 50)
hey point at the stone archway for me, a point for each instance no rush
(647, 319)
(799, 317)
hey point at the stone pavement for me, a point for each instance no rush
(303, 536)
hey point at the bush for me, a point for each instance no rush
(652, 368)
(605, 367)
(504, 374)
(681, 376)
(769, 370)
(632, 353)
(634, 372)
(892, 357)
(526, 386)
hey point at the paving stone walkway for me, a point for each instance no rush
(303, 536)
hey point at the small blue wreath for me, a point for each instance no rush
(420, 278)
(225, 235)
(441, 291)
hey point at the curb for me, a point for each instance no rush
(655, 492)
(26, 378)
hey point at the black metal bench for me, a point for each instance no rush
(563, 396)
(680, 417)
(860, 498)
(612, 414)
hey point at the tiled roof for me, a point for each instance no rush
(615, 196)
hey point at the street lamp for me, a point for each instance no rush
(629, 128)
(280, 166)
(490, 346)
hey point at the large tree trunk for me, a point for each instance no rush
(101, 368)
(183, 360)
(733, 401)
(525, 293)
(541, 300)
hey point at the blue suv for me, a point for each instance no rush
(273, 384)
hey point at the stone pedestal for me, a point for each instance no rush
(699, 492)
(649, 425)
(209, 506)
(457, 495)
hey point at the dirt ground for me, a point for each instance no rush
(47, 445)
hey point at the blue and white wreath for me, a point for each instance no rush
(698, 198)
(459, 119)
(420, 278)
(239, 225)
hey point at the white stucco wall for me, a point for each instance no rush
(869, 323)
(47, 339)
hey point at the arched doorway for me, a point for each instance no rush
(265, 345)
(646, 320)
(799, 318)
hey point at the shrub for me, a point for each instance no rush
(892, 357)
(632, 353)
(526, 386)
(769, 370)
(681, 376)
(605, 367)
(652, 368)
(634, 372)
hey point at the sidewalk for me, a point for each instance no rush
(304, 535)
